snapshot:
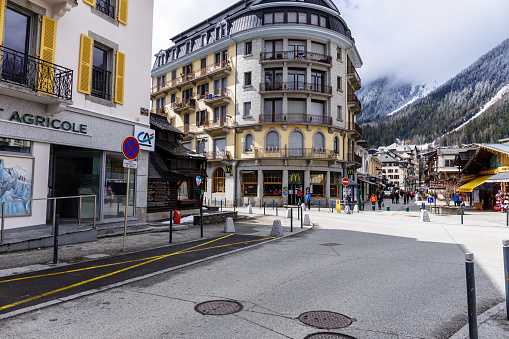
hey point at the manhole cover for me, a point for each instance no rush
(330, 244)
(218, 307)
(328, 335)
(325, 319)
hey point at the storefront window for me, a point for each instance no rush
(219, 180)
(317, 181)
(250, 184)
(183, 193)
(115, 188)
(272, 183)
(14, 145)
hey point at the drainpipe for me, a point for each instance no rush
(235, 126)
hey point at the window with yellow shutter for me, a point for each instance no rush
(119, 78)
(114, 11)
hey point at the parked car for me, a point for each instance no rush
(387, 193)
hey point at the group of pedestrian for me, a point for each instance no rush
(458, 199)
(377, 198)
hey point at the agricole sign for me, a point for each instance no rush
(57, 124)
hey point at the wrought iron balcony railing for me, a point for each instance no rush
(218, 123)
(356, 128)
(295, 55)
(217, 155)
(289, 118)
(285, 153)
(34, 73)
(353, 76)
(217, 95)
(160, 111)
(352, 157)
(101, 83)
(353, 102)
(295, 86)
(180, 105)
(105, 7)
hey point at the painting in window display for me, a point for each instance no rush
(16, 180)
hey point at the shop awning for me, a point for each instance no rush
(499, 177)
(469, 186)
(352, 183)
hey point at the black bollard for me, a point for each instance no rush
(276, 209)
(272, 203)
(291, 219)
(461, 213)
(298, 212)
(260, 203)
(302, 217)
(222, 205)
(507, 215)
(201, 222)
(472, 304)
(318, 205)
(171, 226)
(55, 242)
(506, 275)
(234, 204)
(215, 201)
(225, 202)
(264, 208)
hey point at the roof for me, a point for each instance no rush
(163, 124)
(157, 169)
(499, 177)
(504, 148)
(177, 150)
(387, 158)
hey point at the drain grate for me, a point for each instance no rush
(218, 307)
(330, 244)
(325, 319)
(328, 335)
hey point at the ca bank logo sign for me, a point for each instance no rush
(146, 138)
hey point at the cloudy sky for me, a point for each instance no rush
(415, 40)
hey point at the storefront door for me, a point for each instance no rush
(115, 187)
(295, 181)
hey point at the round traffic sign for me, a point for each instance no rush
(131, 148)
(345, 181)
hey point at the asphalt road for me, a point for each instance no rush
(392, 275)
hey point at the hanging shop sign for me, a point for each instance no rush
(37, 120)
(228, 169)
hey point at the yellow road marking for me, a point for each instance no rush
(188, 250)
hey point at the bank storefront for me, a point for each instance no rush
(71, 153)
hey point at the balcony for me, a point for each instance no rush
(162, 111)
(353, 102)
(217, 155)
(353, 76)
(220, 96)
(289, 153)
(296, 56)
(300, 86)
(218, 124)
(60, 7)
(33, 79)
(356, 129)
(295, 118)
(184, 105)
(219, 68)
(188, 129)
(357, 159)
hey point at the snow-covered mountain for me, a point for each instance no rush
(385, 97)
(476, 97)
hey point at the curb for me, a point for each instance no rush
(483, 317)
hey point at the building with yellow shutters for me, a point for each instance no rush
(71, 89)
(266, 90)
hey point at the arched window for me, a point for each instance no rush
(249, 143)
(218, 180)
(336, 145)
(272, 141)
(318, 141)
(296, 144)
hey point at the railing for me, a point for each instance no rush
(210, 69)
(296, 118)
(354, 158)
(188, 128)
(105, 7)
(352, 99)
(295, 86)
(217, 94)
(101, 83)
(220, 122)
(312, 153)
(34, 73)
(181, 104)
(3, 203)
(352, 72)
(217, 155)
(159, 110)
(295, 55)
(356, 128)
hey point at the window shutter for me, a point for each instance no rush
(3, 4)
(122, 11)
(90, 2)
(47, 53)
(85, 66)
(119, 78)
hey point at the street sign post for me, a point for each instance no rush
(437, 184)
(131, 150)
(345, 181)
(430, 200)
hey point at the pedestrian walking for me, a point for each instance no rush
(373, 199)
(380, 200)
(299, 195)
(308, 198)
(397, 197)
(456, 199)
(393, 196)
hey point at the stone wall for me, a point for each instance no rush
(213, 218)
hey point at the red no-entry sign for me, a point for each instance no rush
(131, 148)
(345, 181)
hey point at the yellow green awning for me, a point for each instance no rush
(469, 186)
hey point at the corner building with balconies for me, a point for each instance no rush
(266, 89)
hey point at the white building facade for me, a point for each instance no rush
(72, 88)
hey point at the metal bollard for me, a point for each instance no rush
(472, 304)
(171, 226)
(461, 213)
(291, 219)
(506, 275)
(55, 242)
(423, 206)
(234, 204)
(222, 205)
(507, 215)
(201, 222)
(298, 213)
(264, 208)
(302, 217)
(318, 205)
(224, 202)
(276, 209)
(260, 203)
(272, 203)
(215, 201)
